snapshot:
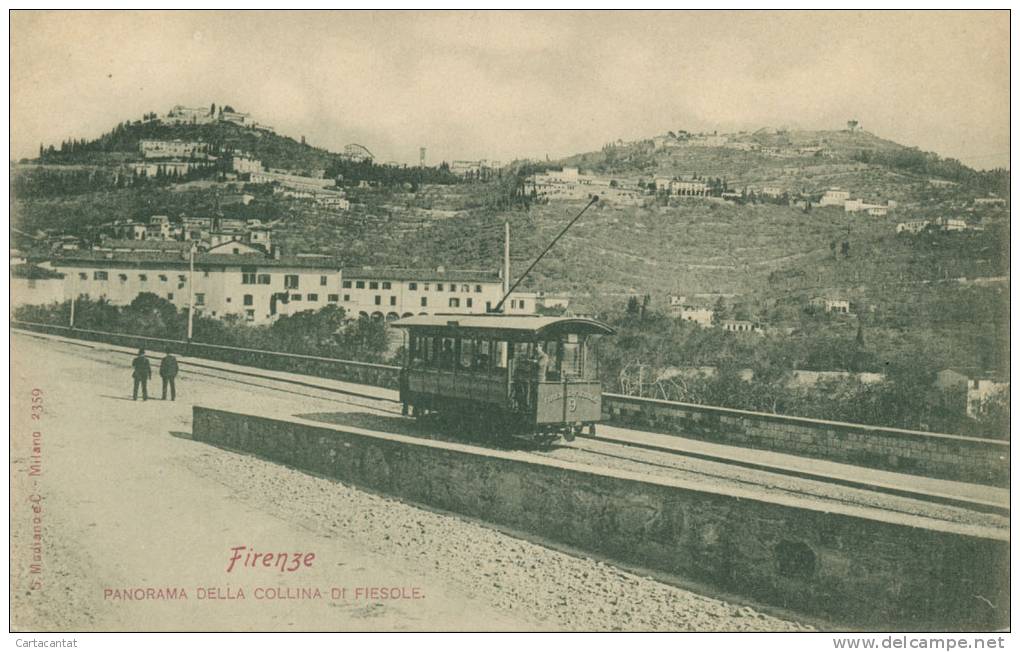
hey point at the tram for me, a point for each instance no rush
(522, 374)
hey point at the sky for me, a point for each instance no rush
(505, 85)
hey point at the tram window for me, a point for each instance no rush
(499, 355)
(467, 354)
(483, 355)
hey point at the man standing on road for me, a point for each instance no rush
(141, 375)
(168, 372)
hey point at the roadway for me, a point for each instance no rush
(127, 502)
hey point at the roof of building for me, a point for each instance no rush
(33, 272)
(406, 274)
(145, 245)
(175, 259)
(499, 325)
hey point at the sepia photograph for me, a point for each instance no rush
(511, 321)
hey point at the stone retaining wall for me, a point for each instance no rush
(936, 455)
(861, 567)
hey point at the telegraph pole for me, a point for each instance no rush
(506, 257)
(191, 289)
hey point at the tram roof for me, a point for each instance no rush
(511, 326)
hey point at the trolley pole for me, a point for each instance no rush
(499, 306)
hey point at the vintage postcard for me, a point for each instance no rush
(457, 321)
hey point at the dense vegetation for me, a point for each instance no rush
(323, 333)
(656, 356)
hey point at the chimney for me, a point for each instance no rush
(441, 269)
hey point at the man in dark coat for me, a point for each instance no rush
(141, 374)
(168, 372)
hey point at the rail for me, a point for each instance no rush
(370, 373)
(941, 455)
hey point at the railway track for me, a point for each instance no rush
(614, 448)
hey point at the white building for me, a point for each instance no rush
(837, 306)
(253, 287)
(739, 326)
(292, 181)
(245, 164)
(913, 226)
(391, 293)
(834, 197)
(701, 316)
(172, 148)
(32, 285)
(182, 115)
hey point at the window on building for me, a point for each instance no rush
(520, 304)
(122, 277)
(199, 298)
(386, 285)
(453, 287)
(182, 278)
(373, 285)
(412, 286)
(290, 281)
(82, 276)
(333, 298)
(295, 297)
(454, 302)
(470, 302)
(99, 276)
(249, 300)
(323, 280)
(424, 302)
(228, 299)
(347, 297)
(393, 300)
(347, 285)
(143, 278)
(249, 315)
(170, 296)
(465, 288)
(236, 250)
(426, 287)
(162, 278)
(360, 285)
(439, 287)
(265, 279)
(313, 297)
(378, 300)
(478, 288)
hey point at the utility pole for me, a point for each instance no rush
(191, 289)
(506, 257)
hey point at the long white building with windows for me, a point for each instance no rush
(254, 287)
(259, 288)
(392, 293)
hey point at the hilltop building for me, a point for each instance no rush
(834, 197)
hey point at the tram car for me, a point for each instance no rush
(520, 374)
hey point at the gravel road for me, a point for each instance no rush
(128, 501)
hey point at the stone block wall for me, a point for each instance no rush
(861, 567)
(936, 455)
